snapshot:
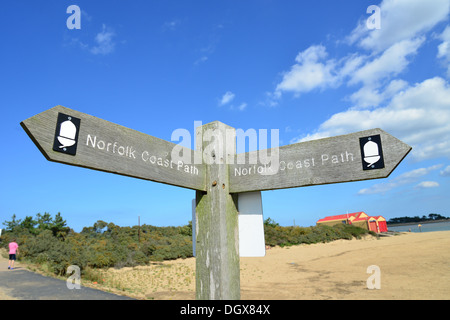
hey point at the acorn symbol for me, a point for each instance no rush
(67, 134)
(371, 153)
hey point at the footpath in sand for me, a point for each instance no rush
(412, 266)
(21, 284)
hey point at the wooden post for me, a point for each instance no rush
(217, 231)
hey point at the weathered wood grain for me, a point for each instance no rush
(217, 231)
(105, 146)
(330, 160)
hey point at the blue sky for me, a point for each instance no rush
(311, 69)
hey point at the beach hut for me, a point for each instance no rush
(341, 218)
(359, 219)
(372, 224)
(382, 224)
(347, 218)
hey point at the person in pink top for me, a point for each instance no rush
(13, 250)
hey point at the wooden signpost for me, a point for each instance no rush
(323, 161)
(215, 171)
(105, 146)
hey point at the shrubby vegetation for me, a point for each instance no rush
(276, 235)
(51, 244)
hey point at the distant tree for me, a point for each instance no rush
(44, 221)
(29, 224)
(12, 225)
(100, 226)
(270, 222)
(59, 227)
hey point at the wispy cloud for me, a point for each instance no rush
(400, 20)
(445, 172)
(104, 42)
(444, 49)
(210, 40)
(201, 60)
(171, 25)
(242, 106)
(403, 179)
(427, 184)
(313, 71)
(227, 98)
(85, 16)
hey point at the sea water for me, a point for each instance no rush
(425, 227)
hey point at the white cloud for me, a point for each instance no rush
(312, 71)
(375, 73)
(226, 98)
(445, 172)
(403, 179)
(171, 25)
(85, 15)
(403, 27)
(390, 63)
(373, 96)
(104, 42)
(242, 106)
(400, 20)
(427, 184)
(444, 48)
(201, 60)
(308, 73)
(419, 115)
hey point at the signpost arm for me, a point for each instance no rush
(217, 247)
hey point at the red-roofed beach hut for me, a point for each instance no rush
(382, 224)
(360, 219)
(341, 218)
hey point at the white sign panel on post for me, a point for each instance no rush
(251, 225)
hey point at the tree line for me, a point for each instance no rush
(431, 217)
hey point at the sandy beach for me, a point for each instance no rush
(411, 265)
